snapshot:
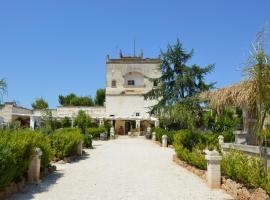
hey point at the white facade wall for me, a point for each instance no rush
(124, 101)
(128, 106)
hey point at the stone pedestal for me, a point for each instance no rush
(220, 139)
(33, 173)
(154, 136)
(156, 123)
(32, 122)
(213, 169)
(240, 137)
(112, 136)
(80, 148)
(164, 141)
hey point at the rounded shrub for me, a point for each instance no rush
(65, 141)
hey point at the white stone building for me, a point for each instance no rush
(127, 80)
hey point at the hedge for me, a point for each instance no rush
(16, 150)
(245, 169)
(65, 141)
(95, 132)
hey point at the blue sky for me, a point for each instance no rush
(56, 47)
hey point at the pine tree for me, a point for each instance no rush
(178, 84)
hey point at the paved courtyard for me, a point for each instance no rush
(122, 169)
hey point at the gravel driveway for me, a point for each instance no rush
(122, 169)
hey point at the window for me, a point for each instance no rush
(113, 83)
(155, 83)
(131, 82)
(137, 114)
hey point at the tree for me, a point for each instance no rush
(177, 87)
(73, 100)
(65, 122)
(82, 120)
(40, 104)
(258, 74)
(3, 87)
(100, 97)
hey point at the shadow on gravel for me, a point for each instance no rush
(30, 190)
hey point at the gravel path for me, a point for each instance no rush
(122, 169)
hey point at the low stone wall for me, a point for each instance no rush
(248, 149)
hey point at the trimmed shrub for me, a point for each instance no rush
(95, 132)
(87, 140)
(188, 147)
(16, 150)
(65, 141)
(245, 169)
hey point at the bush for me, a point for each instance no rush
(65, 141)
(160, 132)
(245, 169)
(95, 132)
(87, 140)
(16, 150)
(188, 148)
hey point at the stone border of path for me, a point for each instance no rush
(236, 190)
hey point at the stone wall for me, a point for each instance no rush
(93, 112)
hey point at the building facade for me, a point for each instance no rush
(127, 80)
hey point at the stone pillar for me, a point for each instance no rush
(240, 137)
(112, 132)
(80, 148)
(154, 136)
(221, 140)
(33, 173)
(164, 140)
(101, 122)
(156, 123)
(138, 123)
(32, 122)
(213, 169)
(72, 122)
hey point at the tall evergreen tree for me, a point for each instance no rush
(100, 97)
(179, 83)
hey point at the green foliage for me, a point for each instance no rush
(222, 122)
(65, 141)
(100, 97)
(87, 140)
(160, 132)
(73, 100)
(245, 169)
(83, 121)
(178, 87)
(48, 123)
(258, 72)
(95, 132)
(65, 122)
(40, 104)
(189, 146)
(16, 150)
